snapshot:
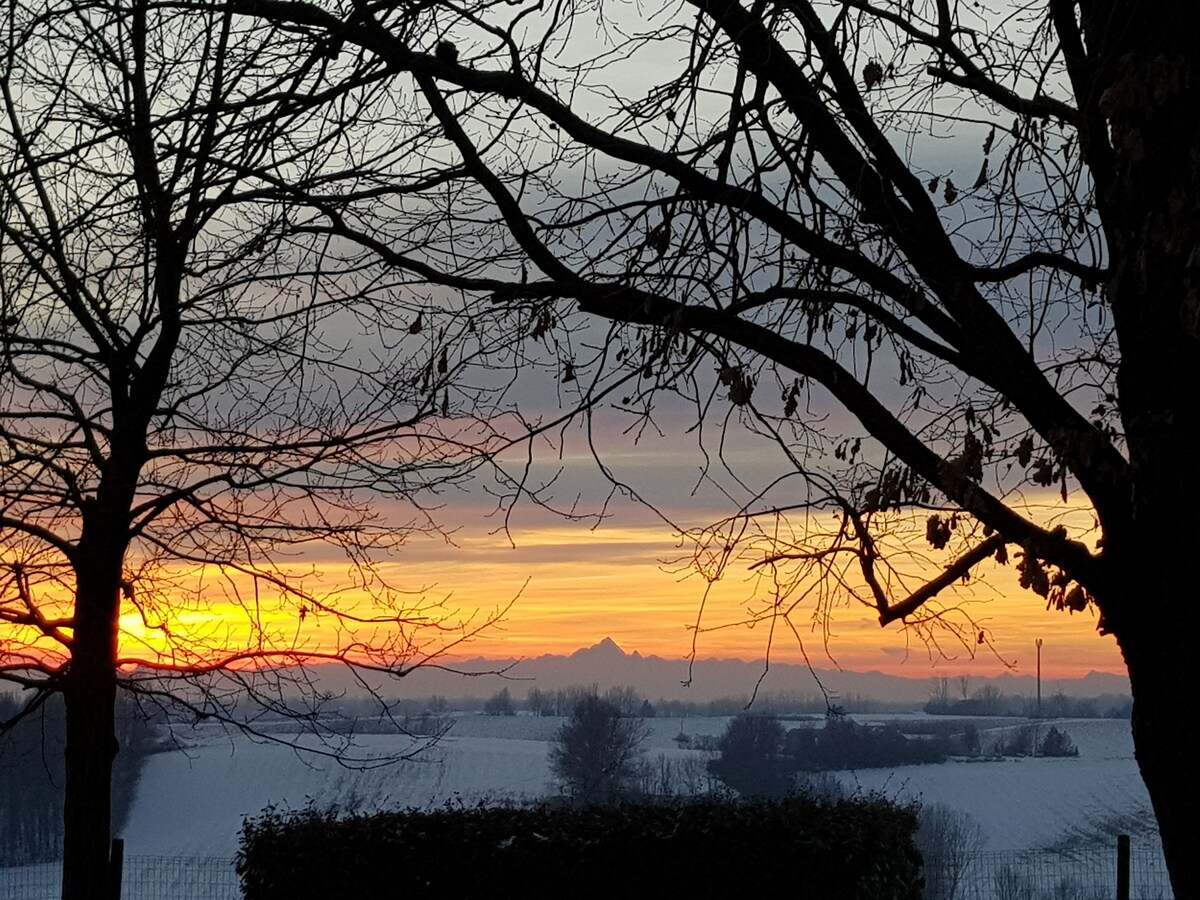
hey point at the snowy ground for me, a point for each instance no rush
(193, 804)
(1034, 803)
(190, 805)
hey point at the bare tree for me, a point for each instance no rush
(596, 752)
(192, 414)
(540, 703)
(939, 695)
(945, 258)
(948, 840)
(500, 704)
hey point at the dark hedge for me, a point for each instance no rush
(856, 850)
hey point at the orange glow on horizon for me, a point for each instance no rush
(613, 584)
(569, 587)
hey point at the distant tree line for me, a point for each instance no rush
(757, 757)
(598, 757)
(945, 698)
(846, 744)
(562, 701)
(500, 704)
(953, 697)
(32, 775)
(631, 702)
(1029, 740)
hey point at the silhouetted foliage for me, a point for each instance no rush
(785, 226)
(1056, 742)
(1020, 741)
(596, 752)
(971, 744)
(500, 704)
(1033, 740)
(539, 702)
(186, 422)
(626, 699)
(750, 757)
(850, 850)
(674, 777)
(845, 744)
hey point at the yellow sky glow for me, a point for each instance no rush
(606, 584)
(569, 587)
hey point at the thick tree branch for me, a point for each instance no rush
(953, 573)
(1037, 107)
(1083, 71)
(33, 529)
(1040, 259)
(1000, 359)
(630, 305)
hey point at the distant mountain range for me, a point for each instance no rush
(606, 665)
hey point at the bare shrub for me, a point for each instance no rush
(1009, 884)
(947, 840)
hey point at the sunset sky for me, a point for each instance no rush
(627, 578)
(571, 584)
(575, 586)
(567, 584)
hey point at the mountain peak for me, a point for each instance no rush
(607, 648)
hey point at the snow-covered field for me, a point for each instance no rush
(190, 804)
(1034, 803)
(193, 803)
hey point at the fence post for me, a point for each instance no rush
(116, 865)
(1122, 867)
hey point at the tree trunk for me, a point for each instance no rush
(1153, 615)
(1148, 90)
(1162, 674)
(88, 802)
(90, 694)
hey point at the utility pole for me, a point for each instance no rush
(1039, 678)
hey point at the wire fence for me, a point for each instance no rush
(143, 878)
(1089, 874)
(1017, 875)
